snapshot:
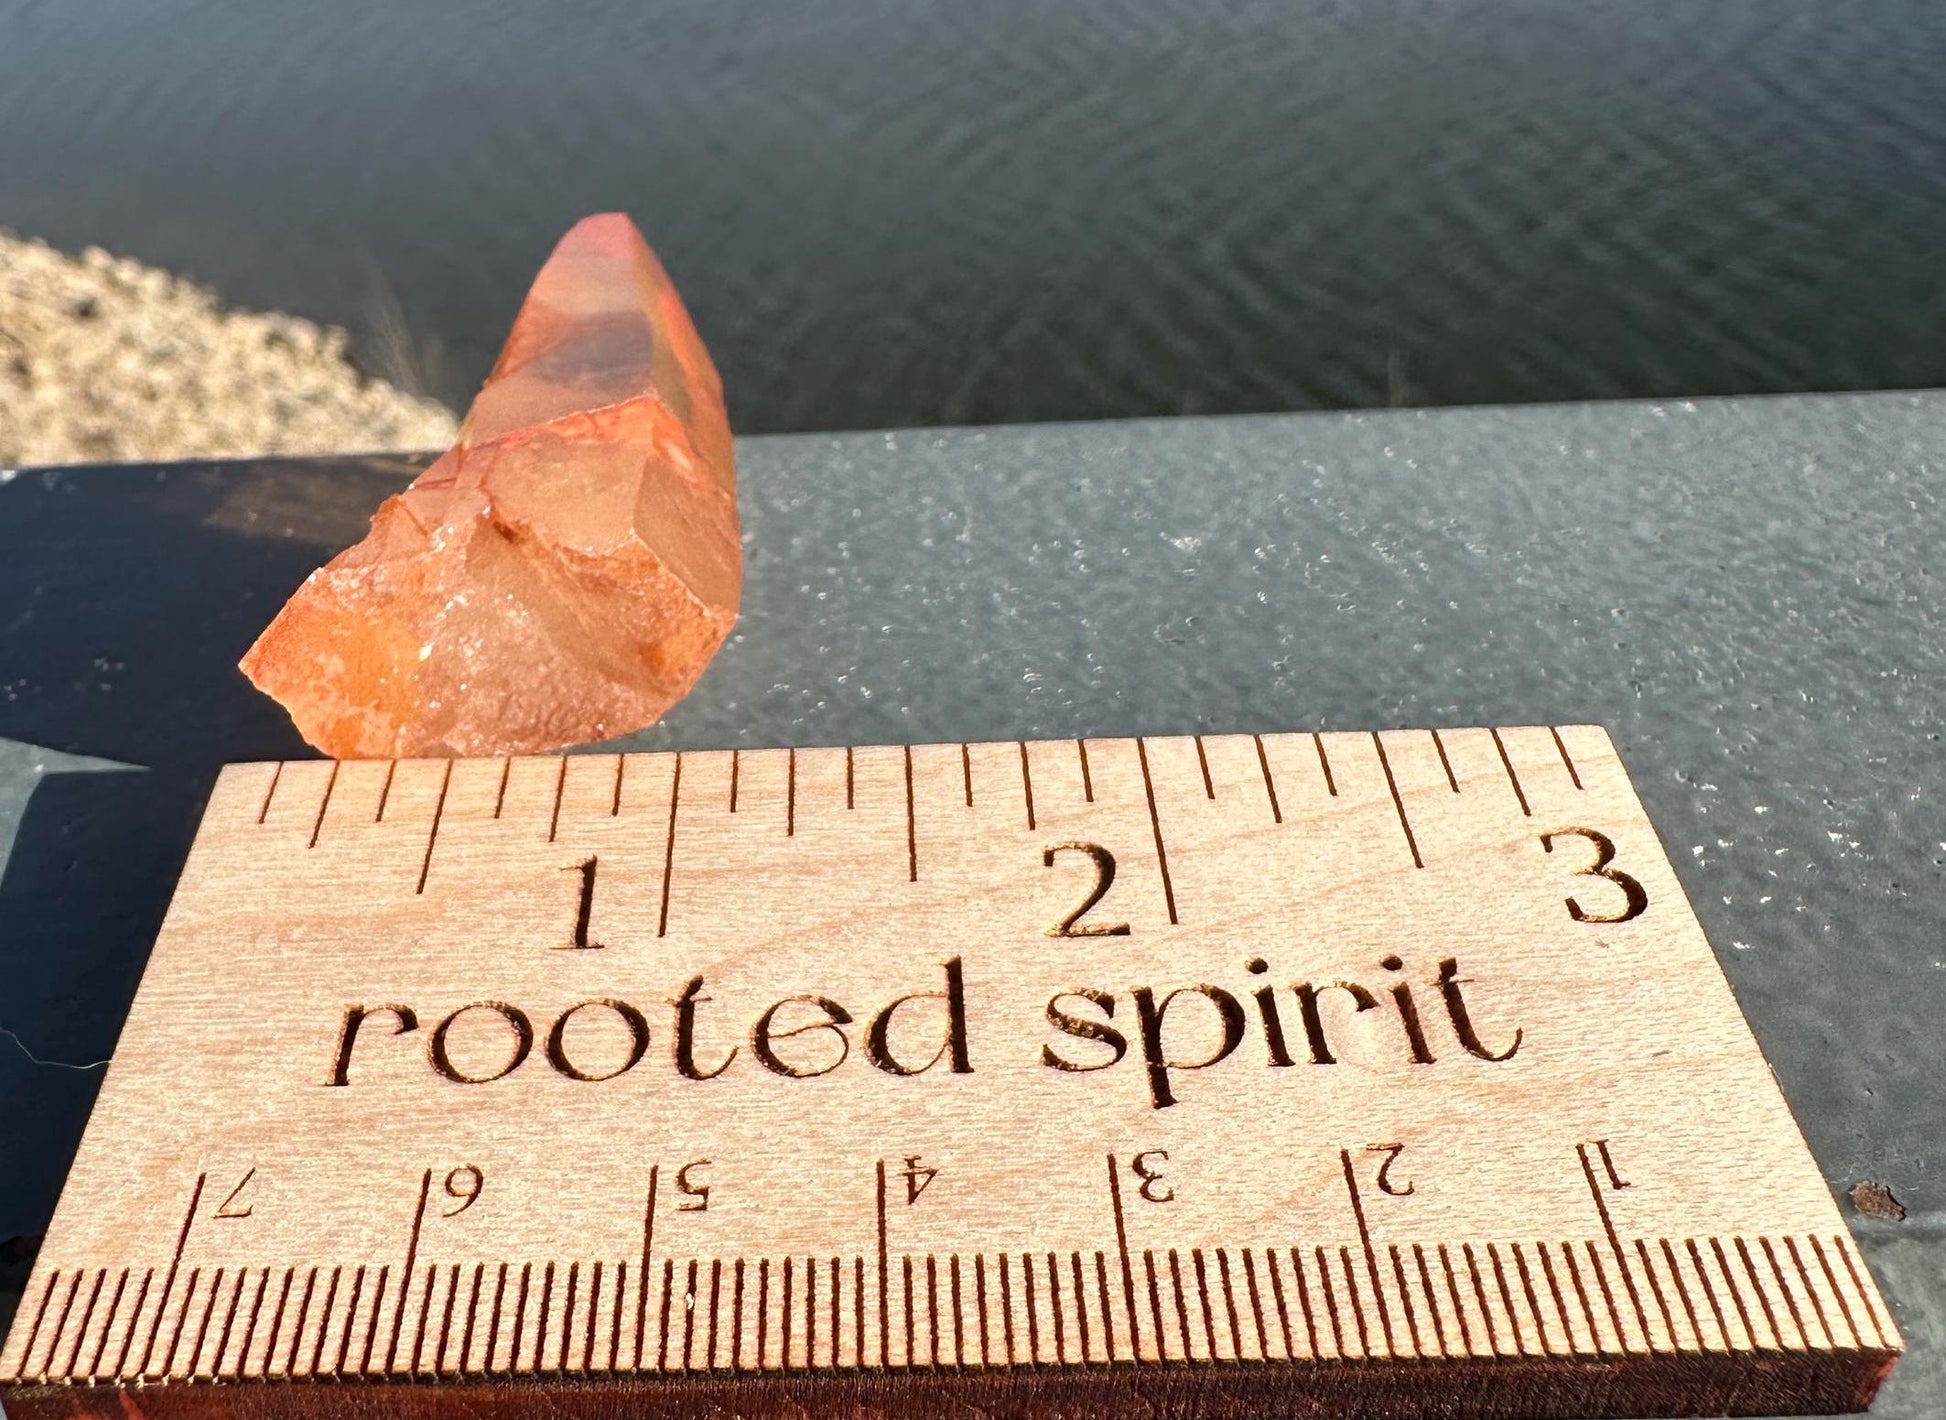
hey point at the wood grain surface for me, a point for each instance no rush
(1384, 1074)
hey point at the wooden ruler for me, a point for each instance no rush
(1379, 1074)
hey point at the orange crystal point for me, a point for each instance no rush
(565, 571)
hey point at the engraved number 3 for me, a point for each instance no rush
(1637, 898)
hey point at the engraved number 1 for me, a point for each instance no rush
(584, 905)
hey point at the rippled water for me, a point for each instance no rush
(906, 213)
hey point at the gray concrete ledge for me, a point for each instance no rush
(1750, 594)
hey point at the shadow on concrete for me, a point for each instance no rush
(127, 596)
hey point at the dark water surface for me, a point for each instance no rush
(914, 213)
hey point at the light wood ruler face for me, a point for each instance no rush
(1384, 1072)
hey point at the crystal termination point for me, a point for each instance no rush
(566, 570)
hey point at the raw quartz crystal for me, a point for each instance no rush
(566, 570)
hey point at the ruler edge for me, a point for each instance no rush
(1847, 1381)
(1884, 1355)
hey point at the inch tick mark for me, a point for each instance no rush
(317, 824)
(1155, 823)
(1445, 763)
(1324, 763)
(669, 848)
(1566, 758)
(439, 808)
(911, 825)
(1270, 784)
(560, 789)
(1397, 802)
(1512, 778)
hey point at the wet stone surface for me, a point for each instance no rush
(1747, 593)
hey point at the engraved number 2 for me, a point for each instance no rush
(1636, 898)
(1104, 862)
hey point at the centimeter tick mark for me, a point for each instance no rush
(61, 1322)
(276, 1322)
(182, 1317)
(615, 1311)
(1202, 1303)
(115, 1306)
(230, 1319)
(1554, 1290)
(1608, 1227)
(472, 1311)
(1121, 1246)
(642, 1280)
(1027, 781)
(884, 1282)
(169, 1278)
(1365, 1240)
(378, 1302)
(405, 1273)
(324, 1321)
(1864, 1293)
